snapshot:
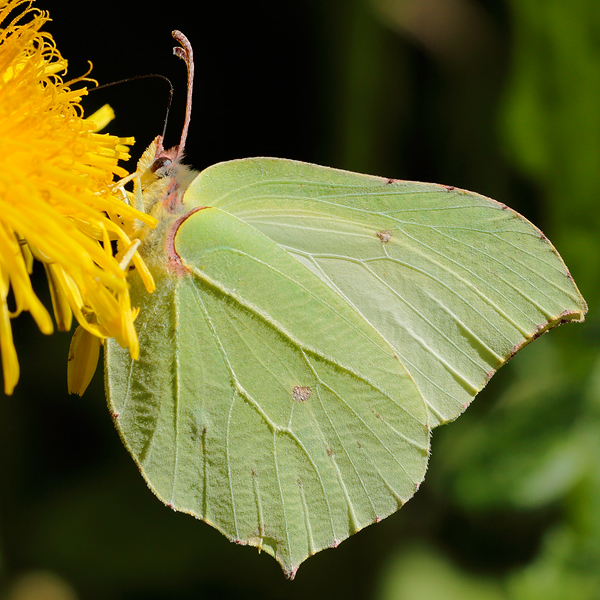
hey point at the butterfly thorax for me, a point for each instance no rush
(164, 181)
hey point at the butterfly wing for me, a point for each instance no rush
(455, 282)
(262, 402)
(308, 328)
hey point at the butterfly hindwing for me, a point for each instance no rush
(262, 402)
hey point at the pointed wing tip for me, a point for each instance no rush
(569, 316)
(290, 573)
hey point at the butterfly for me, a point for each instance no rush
(309, 329)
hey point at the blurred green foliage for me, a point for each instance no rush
(498, 96)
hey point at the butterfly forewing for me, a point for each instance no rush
(455, 282)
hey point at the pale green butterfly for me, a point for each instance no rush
(309, 328)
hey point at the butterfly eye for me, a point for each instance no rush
(159, 163)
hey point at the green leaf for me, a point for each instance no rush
(309, 328)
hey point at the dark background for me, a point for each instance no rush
(497, 96)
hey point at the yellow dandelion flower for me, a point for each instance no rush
(58, 201)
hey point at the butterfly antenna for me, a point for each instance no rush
(169, 102)
(186, 54)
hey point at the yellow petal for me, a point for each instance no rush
(60, 303)
(83, 360)
(102, 117)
